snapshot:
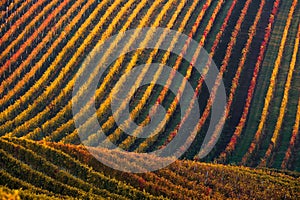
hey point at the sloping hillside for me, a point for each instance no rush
(45, 46)
(254, 44)
(69, 171)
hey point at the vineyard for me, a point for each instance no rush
(254, 44)
(62, 171)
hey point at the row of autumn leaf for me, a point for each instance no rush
(130, 140)
(38, 118)
(143, 22)
(8, 114)
(65, 171)
(106, 104)
(234, 139)
(73, 177)
(269, 95)
(51, 33)
(172, 108)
